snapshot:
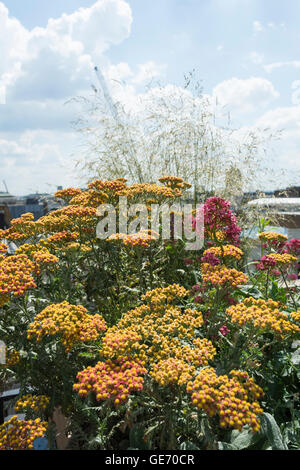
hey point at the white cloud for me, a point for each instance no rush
(245, 95)
(36, 160)
(286, 120)
(39, 70)
(276, 65)
(64, 51)
(259, 27)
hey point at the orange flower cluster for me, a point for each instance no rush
(111, 380)
(172, 372)
(263, 314)
(35, 403)
(72, 322)
(16, 275)
(225, 251)
(272, 236)
(220, 275)
(18, 434)
(234, 399)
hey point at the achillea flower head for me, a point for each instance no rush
(271, 236)
(18, 434)
(71, 322)
(172, 371)
(111, 380)
(263, 314)
(221, 275)
(67, 194)
(3, 248)
(16, 275)
(233, 399)
(36, 403)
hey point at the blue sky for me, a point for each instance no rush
(246, 52)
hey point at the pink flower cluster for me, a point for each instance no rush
(219, 217)
(293, 247)
(211, 259)
(265, 263)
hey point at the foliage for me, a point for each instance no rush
(142, 344)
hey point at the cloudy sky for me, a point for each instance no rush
(246, 53)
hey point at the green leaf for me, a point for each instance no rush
(243, 439)
(225, 446)
(272, 432)
(137, 438)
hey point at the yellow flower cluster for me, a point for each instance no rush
(39, 255)
(18, 434)
(3, 248)
(142, 238)
(158, 331)
(72, 322)
(116, 344)
(16, 275)
(55, 221)
(233, 399)
(62, 237)
(67, 194)
(270, 236)
(21, 228)
(109, 187)
(163, 295)
(89, 198)
(172, 371)
(12, 358)
(151, 190)
(263, 314)
(76, 247)
(35, 403)
(296, 316)
(220, 275)
(111, 379)
(174, 182)
(225, 251)
(283, 259)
